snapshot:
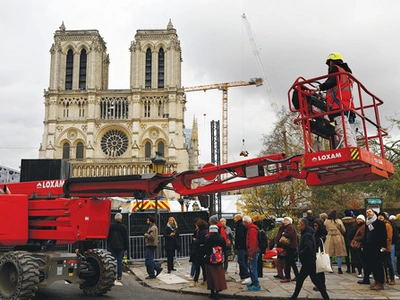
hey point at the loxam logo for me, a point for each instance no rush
(326, 157)
(50, 184)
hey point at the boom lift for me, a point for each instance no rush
(36, 216)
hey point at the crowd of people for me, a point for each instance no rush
(366, 245)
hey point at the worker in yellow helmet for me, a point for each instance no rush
(339, 96)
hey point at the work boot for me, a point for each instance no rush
(392, 282)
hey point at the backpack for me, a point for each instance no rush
(262, 240)
(217, 255)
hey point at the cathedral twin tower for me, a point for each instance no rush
(105, 132)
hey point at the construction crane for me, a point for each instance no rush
(224, 88)
(256, 51)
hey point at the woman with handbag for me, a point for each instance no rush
(290, 242)
(307, 256)
(320, 236)
(356, 236)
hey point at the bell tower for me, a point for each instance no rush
(106, 132)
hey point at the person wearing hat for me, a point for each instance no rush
(339, 96)
(280, 258)
(357, 256)
(215, 273)
(118, 242)
(386, 251)
(373, 242)
(291, 249)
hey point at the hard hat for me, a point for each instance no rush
(334, 56)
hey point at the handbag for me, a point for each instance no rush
(355, 245)
(323, 261)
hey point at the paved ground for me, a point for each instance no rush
(343, 286)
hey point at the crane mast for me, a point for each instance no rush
(224, 88)
(260, 66)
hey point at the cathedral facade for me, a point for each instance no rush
(109, 132)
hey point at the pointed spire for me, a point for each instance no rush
(170, 26)
(62, 27)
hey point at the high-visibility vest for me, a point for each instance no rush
(340, 94)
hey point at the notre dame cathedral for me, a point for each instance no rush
(105, 132)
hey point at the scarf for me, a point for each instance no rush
(173, 227)
(370, 221)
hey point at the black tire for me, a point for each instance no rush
(19, 276)
(105, 267)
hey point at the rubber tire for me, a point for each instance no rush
(19, 276)
(105, 266)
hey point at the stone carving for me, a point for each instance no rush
(72, 134)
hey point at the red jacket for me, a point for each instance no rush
(340, 96)
(252, 240)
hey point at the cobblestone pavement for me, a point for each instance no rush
(342, 286)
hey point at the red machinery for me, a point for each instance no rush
(34, 216)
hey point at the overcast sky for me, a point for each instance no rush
(295, 38)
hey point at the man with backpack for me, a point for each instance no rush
(253, 251)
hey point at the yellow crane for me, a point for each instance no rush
(224, 88)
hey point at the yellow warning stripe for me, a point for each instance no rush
(355, 153)
(151, 204)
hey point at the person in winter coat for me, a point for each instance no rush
(320, 237)
(200, 252)
(118, 242)
(339, 96)
(280, 258)
(230, 237)
(151, 240)
(241, 250)
(291, 249)
(396, 224)
(349, 221)
(257, 220)
(373, 242)
(307, 256)
(171, 235)
(357, 234)
(335, 244)
(216, 280)
(253, 251)
(386, 251)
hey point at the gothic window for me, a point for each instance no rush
(79, 151)
(161, 68)
(147, 109)
(147, 149)
(69, 70)
(114, 108)
(66, 148)
(81, 106)
(148, 69)
(66, 110)
(82, 70)
(160, 108)
(160, 148)
(114, 143)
